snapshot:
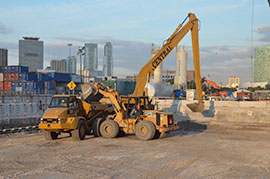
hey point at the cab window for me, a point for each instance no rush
(59, 102)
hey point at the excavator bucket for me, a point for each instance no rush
(90, 93)
(196, 107)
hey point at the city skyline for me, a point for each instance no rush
(224, 34)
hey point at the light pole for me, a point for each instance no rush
(80, 53)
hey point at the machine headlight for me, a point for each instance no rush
(58, 120)
(41, 120)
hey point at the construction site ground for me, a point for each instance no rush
(201, 149)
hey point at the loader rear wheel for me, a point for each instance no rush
(96, 127)
(50, 135)
(145, 130)
(80, 132)
(109, 129)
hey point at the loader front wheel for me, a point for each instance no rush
(145, 130)
(109, 129)
(80, 132)
(50, 135)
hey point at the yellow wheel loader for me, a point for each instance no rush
(132, 115)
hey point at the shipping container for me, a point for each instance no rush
(38, 85)
(8, 77)
(50, 85)
(19, 89)
(32, 76)
(60, 77)
(42, 76)
(51, 92)
(7, 69)
(7, 86)
(245, 95)
(1, 77)
(18, 69)
(1, 85)
(23, 76)
(15, 69)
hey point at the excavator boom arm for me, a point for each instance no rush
(171, 43)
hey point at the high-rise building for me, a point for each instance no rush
(108, 60)
(91, 57)
(3, 57)
(234, 81)
(31, 53)
(71, 65)
(59, 65)
(262, 64)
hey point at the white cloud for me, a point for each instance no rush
(264, 31)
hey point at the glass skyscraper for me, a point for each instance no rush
(3, 57)
(31, 53)
(91, 57)
(108, 60)
(71, 65)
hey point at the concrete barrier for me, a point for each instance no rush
(234, 111)
(16, 111)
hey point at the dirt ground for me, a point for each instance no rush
(198, 150)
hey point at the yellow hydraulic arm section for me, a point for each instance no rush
(148, 70)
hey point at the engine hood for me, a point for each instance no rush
(53, 113)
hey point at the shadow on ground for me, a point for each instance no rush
(188, 127)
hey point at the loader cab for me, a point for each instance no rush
(136, 105)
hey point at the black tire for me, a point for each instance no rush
(121, 134)
(109, 129)
(50, 135)
(145, 130)
(80, 132)
(96, 127)
(157, 135)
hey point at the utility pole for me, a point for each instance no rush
(80, 53)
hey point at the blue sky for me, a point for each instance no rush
(132, 26)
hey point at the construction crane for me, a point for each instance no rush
(148, 69)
